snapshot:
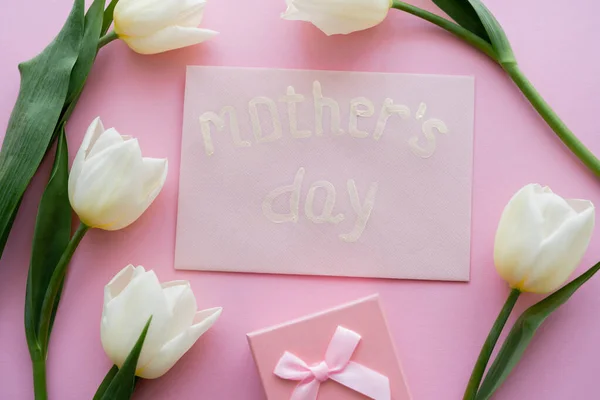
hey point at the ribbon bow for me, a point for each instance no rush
(337, 367)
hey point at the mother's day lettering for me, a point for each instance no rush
(422, 145)
(362, 209)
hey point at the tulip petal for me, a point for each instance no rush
(154, 177)
(182, 304)
(339, 16)
(144, 17)
(514, 246)
(120, 281)
(150, 178)
(92, 134)
(192, 16)
(108, 183)
(109, 138)
(554, 209)
(124, 317)
(169, 38)
(561, 252)
(173, 350)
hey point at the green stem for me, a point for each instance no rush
(448, 25)
(39, 379)
(488, 346)
(106, 39)
(55, 286)
(553, 120)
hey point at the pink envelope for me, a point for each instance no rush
(326, 173)
(308, 339)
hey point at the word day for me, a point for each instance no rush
(359, 107)
(361, 209)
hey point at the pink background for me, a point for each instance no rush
(309, 339)
(438, 327)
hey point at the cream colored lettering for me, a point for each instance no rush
(363, 212)
(387, 110)
(291, 98)
(356, 111)
(421, 111)
(256, 125)
(219, 121)
(327, 213)
(294, 190)
(320, 102)
(361, 209)
(428, 149)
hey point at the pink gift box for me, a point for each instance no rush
(309, 338)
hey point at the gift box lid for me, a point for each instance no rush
(308, 339)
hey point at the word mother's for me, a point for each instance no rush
(359, 107)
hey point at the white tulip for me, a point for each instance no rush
(338, 16)
(111, 184)
(134, 295)
(155, 26)
(541, 239)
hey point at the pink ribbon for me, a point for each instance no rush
(337, 367)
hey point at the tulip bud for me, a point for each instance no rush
(155, 26)
(134, 295)
(111, 184)
(338, 17)
(541, 239)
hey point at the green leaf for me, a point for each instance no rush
(464, 14)
(523, 331)
(44, 85)
(55, 286)
(88, 50)
(122, 384)
(110, 375)
(50, 239)
(108, 16)
(474, 16)
(495, 32)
